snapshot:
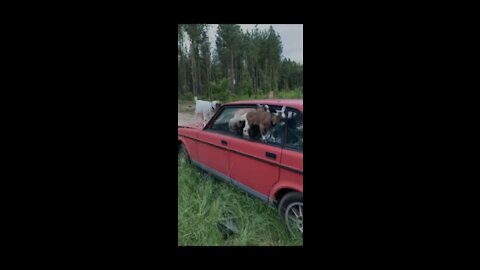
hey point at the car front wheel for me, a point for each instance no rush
(291, 211)
(183, 153)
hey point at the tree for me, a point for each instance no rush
(181, 62)
(194, 32)
(206, 64)
(228, 44)
(242, 62)
(291, 74)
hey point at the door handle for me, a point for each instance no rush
(271, 155)
(224, 142)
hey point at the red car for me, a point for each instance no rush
(270, 169)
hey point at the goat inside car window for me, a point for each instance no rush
(233, 120)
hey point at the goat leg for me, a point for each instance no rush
(246, 128)
(263, 132)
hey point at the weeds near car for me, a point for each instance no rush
(202, 203)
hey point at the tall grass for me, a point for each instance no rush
(202, 203)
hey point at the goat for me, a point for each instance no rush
(238, 119)
(205, 109)
(264, 119)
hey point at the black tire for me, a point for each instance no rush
(293, 219)
(183, 153)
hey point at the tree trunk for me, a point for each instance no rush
(199, 74)
(265, 75)
(179, 84)
(232, 74)
(194, 77)
(208, 82)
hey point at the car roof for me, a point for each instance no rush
(294, 103)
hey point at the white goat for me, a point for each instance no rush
(205, 109)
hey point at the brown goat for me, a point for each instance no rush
(238, 118)
(263, 119)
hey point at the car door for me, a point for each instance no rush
(212, 145)
(291, 170)
(254, 165)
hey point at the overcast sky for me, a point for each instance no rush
(291, 35)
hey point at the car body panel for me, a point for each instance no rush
(291, 173)
(212, 153)
(248, 162)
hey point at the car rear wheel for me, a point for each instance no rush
(291, 211)
(183, 153)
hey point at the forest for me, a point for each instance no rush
(240, 65)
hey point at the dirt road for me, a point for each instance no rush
(185, 118)
(186, 113)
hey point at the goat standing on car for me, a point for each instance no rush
(238, 120)
(265, 120)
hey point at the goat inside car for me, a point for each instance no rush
(257, 122)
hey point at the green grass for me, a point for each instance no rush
(290, 94)
(227, 96)
(202, 201)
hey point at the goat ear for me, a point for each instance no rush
(283, 108)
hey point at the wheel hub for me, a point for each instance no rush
(294, 216)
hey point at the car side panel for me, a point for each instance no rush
(212, 153)
(188, 137)
(250, 166)
(291, 172)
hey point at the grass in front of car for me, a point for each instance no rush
(202, 203)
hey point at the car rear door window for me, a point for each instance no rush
(294, 131)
